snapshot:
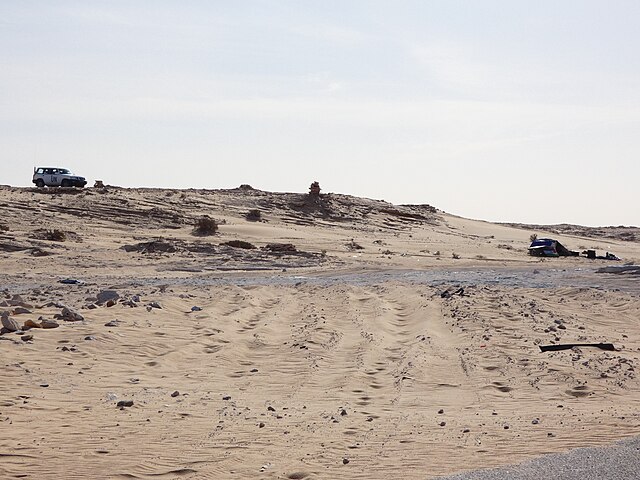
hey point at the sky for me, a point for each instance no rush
(513, 111)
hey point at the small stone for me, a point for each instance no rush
(112, 323)
(506, 427)
(110, 303)
(535, 421)
(31, 324)
(106, 295)
(89, 337)
(175, 394)
(19, 310)
(345, 461)
(125, 403)
(91, 306)
(9, 323)
(70, 315)
(44, 385)
(261, 425)
(49, 323)
(343, 412)
(196, 309)
(155, 305)
(442, 424)
(271, 409)
(254, 370)
(466, 430)
(441, 411)
(226, 397)
(26, 338)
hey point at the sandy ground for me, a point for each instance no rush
(294, 380)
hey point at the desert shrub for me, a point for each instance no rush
(239, 244)
(254, 215)
(533, 237)
(205, 226)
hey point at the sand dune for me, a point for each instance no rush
(274, 375)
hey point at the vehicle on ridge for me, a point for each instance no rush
(56, 177)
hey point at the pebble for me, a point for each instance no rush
(155, 305)
(125, 403)
(175, 394)
(112, 323)
(261, 425)
(49, 323)
(441, 411)
(442, 424)
(535, 421)
(345, 461)
(89, 337)
(196, 309)
(19, 310)
(26, 338)
(227, 397)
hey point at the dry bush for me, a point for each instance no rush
(239, 244)
(205, 226)
(254, 215)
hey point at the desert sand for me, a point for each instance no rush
(356, 339)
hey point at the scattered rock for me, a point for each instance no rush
(154, 305)
(19, 310)
(26, 338)
(105, 295)
(9, 323)
(70, 315)
(442, 424)
(49, 323)
(89, 337)
(261, 425)
(110, 303)
(112, 323)
(125, 403)
(226, 397)
(441, 411)
(343, 412)
(175, 394)
(31, 324)
(535, 421)
(345, 461)
(271, 409)
(196, 309)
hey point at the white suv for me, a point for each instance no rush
(56, 177)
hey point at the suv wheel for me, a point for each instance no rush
(65, 183)
(40, 183)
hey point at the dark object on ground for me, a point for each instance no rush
(314, 189)
(447, 293)
(253, 215)
(280, 247)
(591, 254)
(154, 246)
(125, 403)
(620, 269)
(568, 346)
(71, 281)
(239, 244)
(205, 226)
(548, 247)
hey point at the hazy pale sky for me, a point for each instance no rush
(506, 110)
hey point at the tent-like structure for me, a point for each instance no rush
(547, 247)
